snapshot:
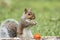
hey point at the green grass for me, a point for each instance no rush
(47, 14)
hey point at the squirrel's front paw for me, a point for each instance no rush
(34, 22)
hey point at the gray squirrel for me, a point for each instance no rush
(12, 28)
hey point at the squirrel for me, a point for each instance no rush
(12, 28)
(27, 21)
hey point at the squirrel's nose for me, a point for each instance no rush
(33, 17)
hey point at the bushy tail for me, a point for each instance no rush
(3, 30)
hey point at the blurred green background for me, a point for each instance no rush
(47, 14)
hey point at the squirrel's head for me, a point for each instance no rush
(28, 14)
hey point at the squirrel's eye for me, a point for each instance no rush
(28, 14)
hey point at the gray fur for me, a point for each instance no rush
(5, 31)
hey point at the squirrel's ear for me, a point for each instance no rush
(25, 10)
(30, 9)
